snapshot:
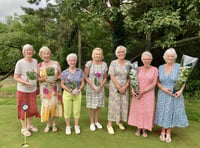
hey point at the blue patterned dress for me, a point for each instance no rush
(170, 111)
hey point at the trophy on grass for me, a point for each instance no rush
(25, 108)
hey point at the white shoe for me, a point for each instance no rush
(68, 130)
(77, 129)
(99, 126)
(92, 127)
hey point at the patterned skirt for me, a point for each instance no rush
(30, 99)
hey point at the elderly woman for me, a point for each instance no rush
(142, 107)
(26, 91)
(95, 95)
(50, 92)
(118, 90)
(170, 111)
(72, 81)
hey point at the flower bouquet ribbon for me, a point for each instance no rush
(187, 65)
(134, 83)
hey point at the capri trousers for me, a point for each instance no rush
(71, 103)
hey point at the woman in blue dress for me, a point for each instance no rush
(170, 110)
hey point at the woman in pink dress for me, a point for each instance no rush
(142, 107)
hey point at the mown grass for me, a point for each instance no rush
(10, 136)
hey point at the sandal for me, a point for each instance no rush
(168, 138)
(137, 133)
(162, 136)
(54, 129)
(25, 132)
(144, 133)
(32, 128)
(46, 130)
(121, 126)
(110, 130)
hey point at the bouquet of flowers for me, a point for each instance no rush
(134, 83)
(97, 80)
(186, 67)
(32, 75)
(71, 85)
(50, 73)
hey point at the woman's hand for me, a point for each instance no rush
(122, 89)
(178, 93)
(167, 91)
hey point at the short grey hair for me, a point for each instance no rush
(170, 51)
(43, 49)
(26, 47)
(120, 47)
(146, 53)
(71, 55)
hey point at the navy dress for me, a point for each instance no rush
(170, 111)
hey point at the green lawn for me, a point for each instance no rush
(10, 136)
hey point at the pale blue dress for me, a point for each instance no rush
(170, 111)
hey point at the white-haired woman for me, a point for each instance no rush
(118, 90)
(26, 91)
(72, 81)
(95, 71)
(142, 108)
(170, 110)
(50, 92)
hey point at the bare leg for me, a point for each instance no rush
(67, 121)
(91, 115)
(30, 119)
(97, 111)
(76, 121)
(54, 121)
(109, 124)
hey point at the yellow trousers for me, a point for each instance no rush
(71, 103)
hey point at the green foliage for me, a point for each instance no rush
(50, 71)
(31, 75)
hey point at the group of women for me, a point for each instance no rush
(169, 113)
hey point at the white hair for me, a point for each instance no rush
(26, 47)
(146, 53)
(120, 47)
(43, 49)
(170, 51)
(71, 55)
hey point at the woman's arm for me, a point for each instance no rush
(62, 84)
(178, 93)
(165, 90)
(17, 77)
(82, 85)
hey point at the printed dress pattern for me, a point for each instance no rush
(51, 98)
(118, 103)
(94, 100)
(170, 111)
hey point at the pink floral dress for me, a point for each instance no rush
(142, 110)
(51, 98)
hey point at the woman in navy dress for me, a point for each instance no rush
(170, 110)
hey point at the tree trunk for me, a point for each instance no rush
(79, 48)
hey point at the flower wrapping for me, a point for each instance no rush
(187, 65)
(70, 84)
(97, 79)
(31, 75)
(134, 83)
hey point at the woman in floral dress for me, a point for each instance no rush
(170, 111)
(50, 92)
(118, 90)
(95, 71)
(142, 107)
